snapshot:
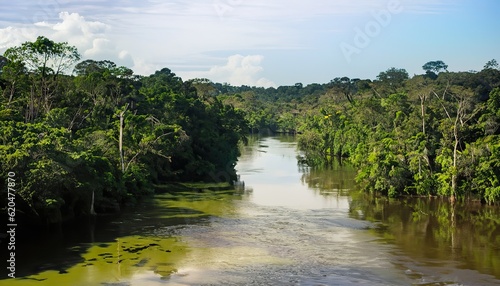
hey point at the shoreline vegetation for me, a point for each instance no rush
(431, 135)
(86, 137)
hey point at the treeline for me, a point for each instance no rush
(95, 137)
(434, 134)
(268, 110)
(89, 136)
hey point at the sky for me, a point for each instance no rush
(264, 42)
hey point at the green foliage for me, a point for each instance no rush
(103, 137)
(435, 66)
(393, 78)
(412, 136)
(44, 56)
(107, 136)
(407, 136)
(484, 156)
(313, 145)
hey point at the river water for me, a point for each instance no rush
(288, 225)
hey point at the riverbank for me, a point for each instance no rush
(191, 186)
(292, 225)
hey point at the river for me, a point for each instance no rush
(288, 225)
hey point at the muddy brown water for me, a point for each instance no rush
(288, 225)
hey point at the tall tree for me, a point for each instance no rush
(491, 64)
(433, 68)
(393, 78)
(45, 60)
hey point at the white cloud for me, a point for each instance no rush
(184, 35)
(91, 38)
(144, 68)
(75, 28)
(14, 36)
(238, 70)
(99, 46)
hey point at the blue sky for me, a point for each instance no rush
(265, 42)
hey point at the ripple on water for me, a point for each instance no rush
(274, 245)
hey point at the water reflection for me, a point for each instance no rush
(279, 181)
(327, 181)
(441, 239)
(120, 250)
(299, 226)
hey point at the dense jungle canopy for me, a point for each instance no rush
(86, 136)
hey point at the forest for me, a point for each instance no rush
(87, 136)
(84, 137)
(433, 134)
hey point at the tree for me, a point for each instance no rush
(346, 86)
(204, 88)
(103, 136)
(45, 55)
(3, 83)
(88, 67)
(435, 66)
(491, 64)
(393, 77)
(45, 60)
(458, 113)
(120, 138)
(13, 78)
(432, 68)
(288, 122)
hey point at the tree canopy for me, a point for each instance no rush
(434, 134)
(435, 66)
(103, 137)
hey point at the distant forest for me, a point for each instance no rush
(89, 136)
(433, 134)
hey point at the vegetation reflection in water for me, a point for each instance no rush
(155, 253)
(434, 232)
(432, 236)
(336, 180)
(115, 262)
(208, 236)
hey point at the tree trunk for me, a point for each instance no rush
(12, 90)
(455, 159)
(422, 107)
(120, 141)
(454, 175)
(92, 211)
(30, 112)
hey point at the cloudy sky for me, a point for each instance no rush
(264, 42)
